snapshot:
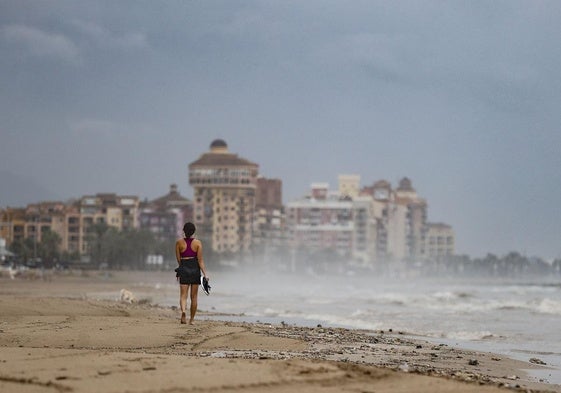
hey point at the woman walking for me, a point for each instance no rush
(189, 255)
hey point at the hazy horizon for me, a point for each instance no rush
(462, 98)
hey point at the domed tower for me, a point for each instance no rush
(224, 198)
(414, 218)
(218, 146)
(405, 189)
(405, 184)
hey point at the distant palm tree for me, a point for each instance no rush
(49, 247)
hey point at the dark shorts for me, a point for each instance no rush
(189, 272)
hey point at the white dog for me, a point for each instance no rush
(127, 296)
(11, 272)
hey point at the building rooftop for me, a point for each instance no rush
(438, 225)
(382, 184)
(219, 156)
(221, 159)
(218, 143)
(172, 198)
(405, 184)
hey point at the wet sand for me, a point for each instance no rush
(53, 338)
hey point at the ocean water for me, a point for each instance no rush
(517, 318)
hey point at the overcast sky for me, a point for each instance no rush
(463, 97)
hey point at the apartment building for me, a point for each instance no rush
(224, 189)
(412, 217)
(17, 224)
(323, 222)
(381, 194)
(166, 215)
(12, 222)
(365, 231)
(339, 222)
(116, 211)
(439, 241)
(269, 221)
(400, 216)
(71, 221)
(235, 210)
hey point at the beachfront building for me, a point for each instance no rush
(166, 215)
(70, 221)
(33, 221)
(409, 222)
(73, 221)
(42, 217)
(380, 192)
(224, 188)
(330, 225)
(373, 226)
(116, 211)
(12, 221)
(440, 241)
(269, 222)
(400, 216)
(321, 222)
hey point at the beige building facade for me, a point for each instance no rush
(334, 222)
(440, 241)
(400, 216)
(116, 211)
(224, 188)
(71, 221)
(166, 215)
(349, 185)
(269, 221)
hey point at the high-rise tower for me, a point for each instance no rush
(224, 198)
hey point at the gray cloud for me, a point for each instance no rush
(42, 44)
(97, 127)
(105, 38)
(463, 98)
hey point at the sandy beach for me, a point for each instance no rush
(55, 338)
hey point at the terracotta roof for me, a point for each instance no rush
(221, 159)
(382, 184)
(172, 198)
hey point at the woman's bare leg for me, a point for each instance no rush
(194, 293)
(183, 289)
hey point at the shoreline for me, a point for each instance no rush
(41, 321)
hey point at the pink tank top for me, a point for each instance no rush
(188, 253)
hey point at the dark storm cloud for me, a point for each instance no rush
(462, 97)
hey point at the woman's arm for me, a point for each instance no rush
(177, 252)
(200, 257)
